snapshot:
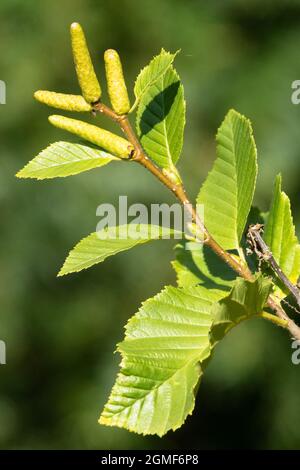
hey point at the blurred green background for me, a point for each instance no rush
(61, 332)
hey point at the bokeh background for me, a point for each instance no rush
(61, 332)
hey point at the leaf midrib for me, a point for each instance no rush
(233, 151)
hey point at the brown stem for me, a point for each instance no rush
(291, 325)
(179, 191)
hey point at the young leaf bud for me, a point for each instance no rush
(172, 174)
(196, 231)
(110, 142)
(115, 82)
(62, 101)
(84, 68)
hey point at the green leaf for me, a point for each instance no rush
(280, 234)
(152, 72)
(167, 346)
(109, 241)
(245, 300)
(164, 343)
(227, 192)
(161, 119)
(64, 159)
(197, 264)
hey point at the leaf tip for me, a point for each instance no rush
(63, 271)
(233, 113)
(20, 174)
(25, 174)
(278, 181)
(103, 421)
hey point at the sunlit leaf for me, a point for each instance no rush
(165, 340)
(280, 234)
(152, 72)
(64, 159)
(161, 119)
(167, 346)
(227, 192)
(109, 241)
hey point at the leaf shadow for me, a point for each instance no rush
(158, 108)
(215, 266)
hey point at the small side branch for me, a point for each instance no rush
(264, 253)
(291, 325)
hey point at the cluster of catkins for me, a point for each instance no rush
(91, 95)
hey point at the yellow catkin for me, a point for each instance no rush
(110, 142)
(115, 82)
(62, 101)
(84, 68)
